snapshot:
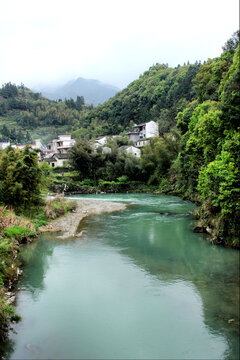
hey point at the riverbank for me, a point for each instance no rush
(68, 224)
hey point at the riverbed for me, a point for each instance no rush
(137, 284)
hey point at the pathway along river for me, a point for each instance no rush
(138, 284)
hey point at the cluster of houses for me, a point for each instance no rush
(139, 137)
(56, 153)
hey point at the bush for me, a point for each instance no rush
(58, 207)
(123, 179)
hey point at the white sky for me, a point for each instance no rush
(50, 41)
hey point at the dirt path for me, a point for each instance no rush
(68, 224)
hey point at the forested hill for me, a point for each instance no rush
(94, 92)
(25, 115)
(157, 95)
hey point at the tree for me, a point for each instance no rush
(81, 159)
(158, 156)
(232, 43)
(20, 179)
(9, 90)
(79, 103)
(5, 132)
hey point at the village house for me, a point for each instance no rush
(101, 141)
(57, 159)
(132, 150)
(36, 145)
(4, 144)
(57, 153)
(62, 144)
(143, 132)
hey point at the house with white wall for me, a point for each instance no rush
(4, 144)
(62, 144)
(143, 132)
(132, 150)
(57, 159)
(36, 145)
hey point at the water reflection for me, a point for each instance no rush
(164, 246)
(34, 258)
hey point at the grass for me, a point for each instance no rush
(17, 232)
(59, 206)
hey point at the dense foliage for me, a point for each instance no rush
(22, 110)
(96, 165)
(157, 95)
(21, 179)
(209, 161)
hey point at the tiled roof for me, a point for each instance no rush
(136, 125)
(51, 159)
(62, 156)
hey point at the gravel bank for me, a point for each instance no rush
(68, 224)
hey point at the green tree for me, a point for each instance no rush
(20, 179)
(232, 43)
(9, 90)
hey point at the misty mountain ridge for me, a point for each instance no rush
(94, 91)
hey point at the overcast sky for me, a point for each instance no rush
(114, 41)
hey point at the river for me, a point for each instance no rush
(138, 284)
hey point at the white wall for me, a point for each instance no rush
(151, 129)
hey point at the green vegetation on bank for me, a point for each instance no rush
(16, 230)
(208, 164)
(23, 210)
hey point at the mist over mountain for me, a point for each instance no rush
(94, 92)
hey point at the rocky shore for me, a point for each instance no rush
(68, 224)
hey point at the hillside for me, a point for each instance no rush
(157, 95)
(199, 158)
(26, 115)
(93, 91)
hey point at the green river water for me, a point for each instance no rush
(139, 284)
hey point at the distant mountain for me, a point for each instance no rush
(93, 91)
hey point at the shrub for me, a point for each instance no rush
(122, 179)
(59, 206)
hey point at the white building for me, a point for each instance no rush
(143, 132)
(36, 145)
(106, 150)
(4, 144)
(132, 150)
(101, 141)
(62, 144)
